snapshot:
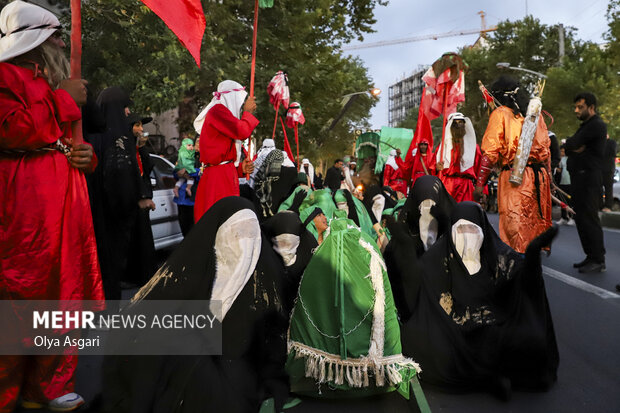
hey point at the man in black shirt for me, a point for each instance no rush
(608, 168)
(334, 176)
(585, 155)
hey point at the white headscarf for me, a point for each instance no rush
(310, 173)
(230, 94)
(469, 144)
(391, 160)
(24, 26)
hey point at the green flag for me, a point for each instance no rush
(264, 4)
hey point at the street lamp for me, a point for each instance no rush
(506, 65)
(374, 92)
(347, 101)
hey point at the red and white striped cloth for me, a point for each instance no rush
(435, 90)
(294, 115)
(278, 90)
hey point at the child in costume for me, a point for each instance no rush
(185, 161)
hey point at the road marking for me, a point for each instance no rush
(577, 283)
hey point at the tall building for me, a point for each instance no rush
(404, 96)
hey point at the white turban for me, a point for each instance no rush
(23, 27)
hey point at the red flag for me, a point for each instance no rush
(422, 130)
(278, 90)
(185, 18)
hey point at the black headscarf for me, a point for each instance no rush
(509, 92)
(288, 222)
(427, 187)
(473, 331)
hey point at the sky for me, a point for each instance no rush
(408, 18)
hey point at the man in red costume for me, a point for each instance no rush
(461, 158)
(223, 127)
(48, 249)
(393, 173)
(422, 161)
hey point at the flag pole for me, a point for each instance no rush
(76, 60)
(253, 66)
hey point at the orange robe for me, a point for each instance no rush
(524, 211)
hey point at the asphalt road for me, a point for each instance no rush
(586, 314)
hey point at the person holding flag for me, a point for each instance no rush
(48, 244)
(223, 126)
(461, 158)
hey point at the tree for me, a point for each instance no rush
(126, 44)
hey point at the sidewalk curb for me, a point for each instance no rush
(610, 219)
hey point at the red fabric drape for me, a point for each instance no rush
(186, 20)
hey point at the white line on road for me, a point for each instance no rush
(577, 283)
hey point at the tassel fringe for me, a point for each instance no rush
(329, 368)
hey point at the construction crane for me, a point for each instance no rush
(482, 31)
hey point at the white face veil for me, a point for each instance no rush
(286, 246)
(378, 203)
(343, 206)
(24, 27)
(237, 249)
(467, 238)
(429, 227)
(469, 143)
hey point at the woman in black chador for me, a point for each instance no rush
(479, 317)
(422, 220)
(295, 245)
(225, 257)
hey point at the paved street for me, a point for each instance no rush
(586, 313)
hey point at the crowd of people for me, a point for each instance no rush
(354, 284)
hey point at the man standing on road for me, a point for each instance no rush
(585, 151)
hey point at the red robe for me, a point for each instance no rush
(217, 145)
(395, 178)
(48, 249)
(460, 184)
